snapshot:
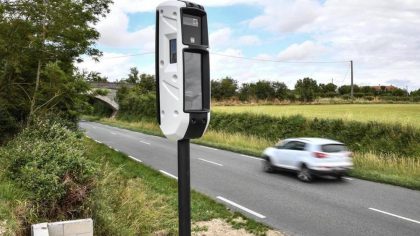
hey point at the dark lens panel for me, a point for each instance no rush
(191, 29)
(172, 51)
(193, 94)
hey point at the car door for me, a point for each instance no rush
(297, 154)
(283, 154)
(279, 154)
(294, 154)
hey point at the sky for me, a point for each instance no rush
(282, 40)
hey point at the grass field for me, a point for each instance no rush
(406, 114)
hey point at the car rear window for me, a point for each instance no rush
(333, 148)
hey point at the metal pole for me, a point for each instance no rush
(351, 68)
(184, 193)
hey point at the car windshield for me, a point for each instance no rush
(333, 148)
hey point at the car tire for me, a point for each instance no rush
(267, 166)
(304, 174)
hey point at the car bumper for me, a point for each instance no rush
(331, 171)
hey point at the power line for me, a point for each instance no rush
(278, 61)
(130, 55)
(240, 57)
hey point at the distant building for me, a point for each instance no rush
(384, 88)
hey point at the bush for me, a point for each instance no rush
(48, 160)
(364, 137)
(140, 105)
(8, 124)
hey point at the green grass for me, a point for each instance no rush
(12, 206)
(133, 199)
(401, 171)
(406, 114)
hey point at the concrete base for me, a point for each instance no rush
(65, 228)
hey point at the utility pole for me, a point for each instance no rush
(351, 69)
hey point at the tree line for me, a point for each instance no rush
(305, 90)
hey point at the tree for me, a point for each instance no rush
(264, 90)
(280, 90)
(327, 88)
(133, 77)
(306, 89)
(94, 76)
(224, 89)
(147, 83)
(415, 92)
(39, 43)
(246, 92)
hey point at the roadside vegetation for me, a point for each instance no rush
(52, 173)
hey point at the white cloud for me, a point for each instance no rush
(382, 37)
(220, 37)
(133, 6)
(224, 37)
(248, 40)
(286, 15)
(112, 65)
(301, 51)
(114, 32)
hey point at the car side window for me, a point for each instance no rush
(299, 146)
(288, 145)
(295, 145)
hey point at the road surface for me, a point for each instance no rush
(324, 207)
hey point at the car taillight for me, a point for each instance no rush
(320, 155)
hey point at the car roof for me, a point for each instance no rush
(317, 141)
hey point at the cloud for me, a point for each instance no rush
(248, 40)
(112, 65)
(301, 51)
(286, 15)
(114, 32)
(381, 37)
(133, 6)
(224, 37)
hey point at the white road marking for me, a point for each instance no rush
(116, 150)
(209, 148)
(113, 133)
(347, 178)
(135, 159)
(241, 207)
(144, 142)
(255, 158)
(168, 174)
(211, 162)
(394, 215)
(98, 141)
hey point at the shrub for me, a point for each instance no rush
(141, 105)
(8, 124)
(48, 160)
(364, 137)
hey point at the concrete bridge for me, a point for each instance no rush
(110, 97)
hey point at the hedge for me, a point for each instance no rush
(365, 137)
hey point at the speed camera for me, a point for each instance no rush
(182, 70)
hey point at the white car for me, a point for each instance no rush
(309, 157)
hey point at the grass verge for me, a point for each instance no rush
(12, 206)
(390, 169)
(133, 199)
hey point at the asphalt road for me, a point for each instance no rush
(324, 207)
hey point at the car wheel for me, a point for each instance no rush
(304, 174)
(267, 166)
